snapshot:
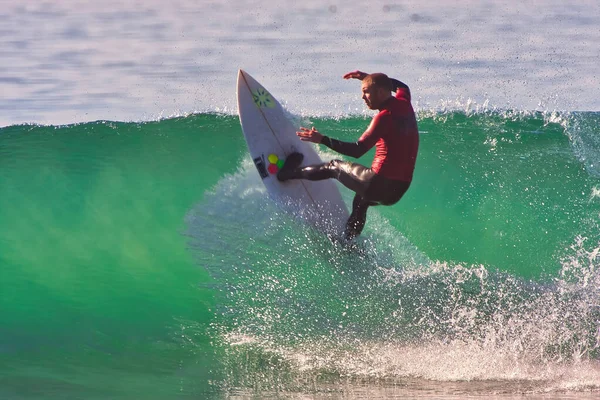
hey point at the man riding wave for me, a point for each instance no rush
(393, 132)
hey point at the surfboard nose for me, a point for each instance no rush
(241, 77)
(245, 78)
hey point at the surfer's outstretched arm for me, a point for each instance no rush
(396, 84)
(356, 149)
(355, 75)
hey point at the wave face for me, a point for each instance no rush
(146, 259)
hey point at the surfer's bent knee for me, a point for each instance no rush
(334, 166)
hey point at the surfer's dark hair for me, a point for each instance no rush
(380, 80)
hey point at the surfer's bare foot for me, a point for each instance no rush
(292, 162)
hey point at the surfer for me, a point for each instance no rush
(393, 132)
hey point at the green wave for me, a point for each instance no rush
(145, 259)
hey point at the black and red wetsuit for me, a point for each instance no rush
(393, 132)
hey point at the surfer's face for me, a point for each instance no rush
(372, 95)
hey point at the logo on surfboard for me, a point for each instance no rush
(275, 164)
(262, 98)
(260, 166)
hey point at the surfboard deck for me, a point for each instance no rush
(271, 137)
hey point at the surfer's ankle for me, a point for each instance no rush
(283, 175)
(292, 162)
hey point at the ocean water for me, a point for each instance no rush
(75, 61)
(140, 256)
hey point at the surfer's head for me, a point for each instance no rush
(376, 89)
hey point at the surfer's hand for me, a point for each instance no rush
(356, 75)
(309, 135)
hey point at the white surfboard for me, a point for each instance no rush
(271, 136)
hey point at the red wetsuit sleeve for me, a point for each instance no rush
(403, 94)
(402, 90)
(374, 132)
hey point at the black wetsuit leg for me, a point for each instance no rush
(386, 191)
(371, 189)
(354, 176)
(358, 217)
(380, 191)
